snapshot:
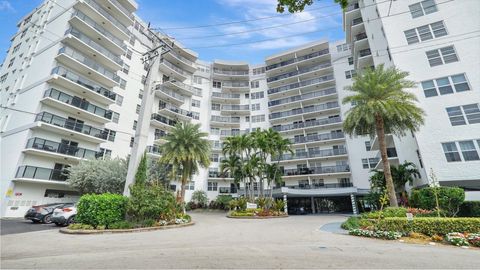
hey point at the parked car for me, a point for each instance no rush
(65, 215)
(42, 213)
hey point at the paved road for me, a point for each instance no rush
(219, 242)
(20, 225)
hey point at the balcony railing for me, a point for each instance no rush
(318, 122)
(310, 95)
(175, 68)
(365, 52)
(80, 57)
(317, 137)
(230, 72)
(78, 102)
(76, 33)
(99, 28)
(298, 59)
(216, 145)
(357, 21)
(225, 95)
(107, 15)
(33, 172)
(163, 119)
(299, 72)
(230, 133)
(313, 154)
(61, 148)
(159, 134)
(122, 8)
(235, 107)
(182, 85)
(154, 149)
(222, 119)
(169, 92)
(71, 125)
(217, 174)
(288, 87)
(227, 190)
(361, 36)
(175, 110)
(298, 111)
(235, 84)
(181, 58)
(352, 7)
(316, 170)
(321, 186)
(94, 87)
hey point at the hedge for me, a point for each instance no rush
(429, 226)
(101, 210)
(470, 209)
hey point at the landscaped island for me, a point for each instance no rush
(265, 208)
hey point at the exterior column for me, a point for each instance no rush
(285, 204)
(313, 205)
(354, 204)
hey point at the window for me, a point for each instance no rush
(3, 78)
(195, 115)
(365, 163)
(132, 140)
(468, 151)
(190, 185)
(369, 163)
(115, 117)
(197, 79)
(442, 56)
(445, 85)
(119, 100)
(247, 118)
(217, 84)
(350, 61)
(343, 47)
(123, 83)
(197, 92)
(425, 32)
(110, 134)
(350, 74)
(255, 84)
(195, 103)
(11, 62)
(422, 8)
(137, 110)
(257, 95)
(451, 152)
(257, 71)
(132, 40)
(128, 54)
(368, 145)
(212, 186)
(460, 114)
(256, 107)
(125, 68)
(140, 94)
(247, 96)
(214, 131)
(214, 158)
(258, 118)
(215, 107)
(16, 48)
(24, 32)
(135, 122)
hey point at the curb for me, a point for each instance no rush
(255, 217)
(147, 229)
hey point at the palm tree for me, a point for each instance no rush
(232, 165)
(382, 106)
(404, 173)
(186, 149)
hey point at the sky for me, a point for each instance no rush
(262, 31)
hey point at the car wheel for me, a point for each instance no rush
(70, 220)
(47, 219)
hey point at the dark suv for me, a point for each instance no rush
(42, 213)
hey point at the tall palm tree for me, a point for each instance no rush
(404, 173)
(186, 148)
(382, 106)
(232, 165)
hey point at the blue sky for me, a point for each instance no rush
(322, 20)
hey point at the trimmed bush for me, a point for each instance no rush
(351, 223)
(122, 225)
(199, 197)
(79, 226)
(387, 212)
(221, 202)
(101, 210)
(449, 199)
(429, 226)
(469, 209)
(152, 202)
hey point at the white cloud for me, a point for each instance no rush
(6, 6)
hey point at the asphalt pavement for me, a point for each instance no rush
(20, 225)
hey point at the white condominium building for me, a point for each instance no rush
(72, 87)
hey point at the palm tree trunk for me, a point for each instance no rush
(386, 164)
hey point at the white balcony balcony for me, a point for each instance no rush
(305, 113)
(226, 98)
(180, 61)
(302, 73)
(228, 109)
(374, 145)
(301, 59)
(118, 11)
(319, 154)
(302, 100)
(59, 151)
(236, 86)
(392, 157)
(169, 95)
(169, 69)
(225, 121)
(184, 89)
(174, 112)
(364, 59)
(40, 175)
(319, 124)
(162, 122)
(298, 88)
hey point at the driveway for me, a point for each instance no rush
(218, 242)
(20, 225)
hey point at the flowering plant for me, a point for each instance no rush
(390, 235)
(457, 239)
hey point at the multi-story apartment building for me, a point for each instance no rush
(72, 89)
(437, 42)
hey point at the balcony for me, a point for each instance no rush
(328, 170)
(230, 74)
(168, 95)
(364, 59)
(47, 148)
(324, 138)
(120, 12)
(70, 128)
(96, 12)
(303, 73)
(217, 174)
(216, 145)
(162, 121)
(81, 85)
(357, 21)
(306, 111)
(41, 175)
(277, 67)
(169, 69)
(227, 190)
(304, 99)
(235, 109)
(159, 136)
(76, 106)
(313, 154)
(154, 150)
(236, 86)
(97, 32)
(391, 155)
(309, 124)
(388, 140)
(307, 85)
(225, 121)
(180, 61)
(89, 67)
(184, 89)
(76, 39)
(318, 189)
(352, 7)
(229, 98)
(229, 133)
(175, 112)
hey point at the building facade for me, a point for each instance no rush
(73, 80)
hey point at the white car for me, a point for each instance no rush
(65, 215)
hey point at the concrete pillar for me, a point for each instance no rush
(313, 205)
(285, 204)
(354, 204)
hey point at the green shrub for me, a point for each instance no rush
(469, 209)
(80, 226)
(121, 225)
(351, 223)
(101, 210)
(223, 201)
(429, 226)
(242, 213)
(242, 203)
(387, 212)
(151, 202)
(148, 223)
(278, 205)
(449, 199)
(233, 204)
(199, 197)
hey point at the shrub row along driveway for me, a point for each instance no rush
(219, 242)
